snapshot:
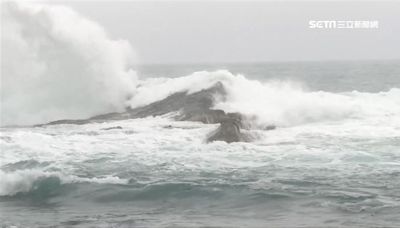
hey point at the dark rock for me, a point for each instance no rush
(228, 131)
(111, 128)
(270, 127)
(191, 107)
(79, 122)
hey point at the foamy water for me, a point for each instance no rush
(157, 172)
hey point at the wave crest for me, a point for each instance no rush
(23, 181)
(282, 103)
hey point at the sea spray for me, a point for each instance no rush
(57, 64)
(274, 102)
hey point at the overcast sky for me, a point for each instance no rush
(207, 32)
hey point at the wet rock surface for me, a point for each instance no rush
(191, 107)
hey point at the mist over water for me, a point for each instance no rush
(56, 64)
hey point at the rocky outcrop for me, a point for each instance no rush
(229, 131)
(191, 107)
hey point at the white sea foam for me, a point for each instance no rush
(281, 103)
(285, 104)
(24, 180)
(57, 64)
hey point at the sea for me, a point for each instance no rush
(332, 161)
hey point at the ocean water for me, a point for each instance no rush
(332, 161)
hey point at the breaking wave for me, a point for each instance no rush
(23, 181)
(281, 103)
(57, 64)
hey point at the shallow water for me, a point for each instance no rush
(155, 172)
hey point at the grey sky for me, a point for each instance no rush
(182, 32)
